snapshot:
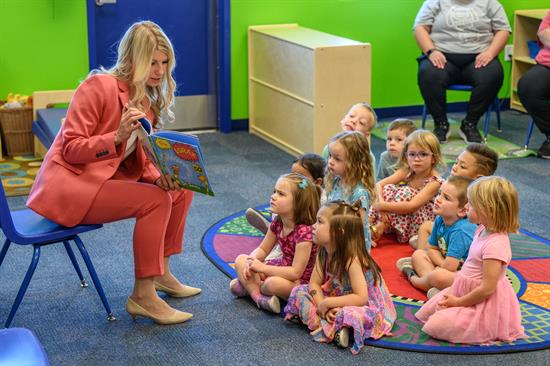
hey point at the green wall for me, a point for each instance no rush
(43, 45)
(386, 24)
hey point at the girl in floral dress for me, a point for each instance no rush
(406, 198)
(346, 290)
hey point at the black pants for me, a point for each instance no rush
(534, 93)
(459, 69)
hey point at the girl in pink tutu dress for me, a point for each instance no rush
(346, 290)
(481, 306)
(406, 198)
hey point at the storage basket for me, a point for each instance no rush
(534, 48)
(16, 124)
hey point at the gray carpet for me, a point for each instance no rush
(71, 323)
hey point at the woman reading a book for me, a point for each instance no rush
(97, 172)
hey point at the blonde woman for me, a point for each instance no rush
(96, 171)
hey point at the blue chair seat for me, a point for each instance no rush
(495, 105)
(19, 346)
(26, 227)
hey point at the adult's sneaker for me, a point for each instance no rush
(442, 132)
(469, 133)
(544, 150)
(342, 338)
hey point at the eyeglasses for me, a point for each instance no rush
(421, 155)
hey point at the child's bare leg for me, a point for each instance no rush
(278, 286)
(422, 266)
(424, 232)
(252, 285)
(441, 278)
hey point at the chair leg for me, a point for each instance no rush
(486, 126)
(4, 250)
(525, 147)
(70, 252)
(424, 116)
(497, 110)
(24, 285)
(93, 274)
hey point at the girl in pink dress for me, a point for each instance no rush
(406, 198)
(295, 200)
(481, 306)
(346, 291)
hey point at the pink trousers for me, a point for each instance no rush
(160, 220)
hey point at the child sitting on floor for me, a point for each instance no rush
(405, 199)
(312, 166)
(481, 307)
(477, 160)
(295, 200)
(346, 289)
(350, 174)
(434, 269)
(397, 132)
(361, 118)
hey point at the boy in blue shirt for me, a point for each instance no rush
(449, 241)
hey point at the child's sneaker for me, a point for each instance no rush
(237, 289)
(342, 338)
(413, 241)
(404, 262)
(257, 220)
(269, 303)
(409, 272)
(432, 292)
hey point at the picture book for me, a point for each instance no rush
(177, 154)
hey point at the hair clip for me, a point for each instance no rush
(303, 184)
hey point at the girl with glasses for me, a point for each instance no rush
(405, 199)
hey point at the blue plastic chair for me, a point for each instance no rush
(26, 227)
(495, 105)
(529, 133)
(19, 346)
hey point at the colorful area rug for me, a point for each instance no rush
(505, 149)
(529, 273)
(17, 174)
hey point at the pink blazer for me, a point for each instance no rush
(83, 155)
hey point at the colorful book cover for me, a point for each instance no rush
(177, 154)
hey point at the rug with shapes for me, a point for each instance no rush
(18, 173)
(529, 273)
(450, 150)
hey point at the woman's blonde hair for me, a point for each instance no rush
(135, 52)
(496, 200)
(306, 196)
(348, 237)
(425, 140)
(359, 165)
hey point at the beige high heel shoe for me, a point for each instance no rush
(187, 291)
(136, 310)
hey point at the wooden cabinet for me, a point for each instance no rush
(526, 24)
(301, 83)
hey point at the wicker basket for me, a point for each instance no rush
(17, 133)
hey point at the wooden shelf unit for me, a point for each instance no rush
(526, 25)
(301, 83)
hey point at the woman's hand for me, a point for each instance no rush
(483, 59)
(438, 59)
(128, 123)
(165, 182)
(449, 301)
(331, 314)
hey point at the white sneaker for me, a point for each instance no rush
(413, 241)
(404, 262)
(342, 338)
(432, 292)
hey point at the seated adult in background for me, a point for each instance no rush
(534, 88)
(460, 41)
